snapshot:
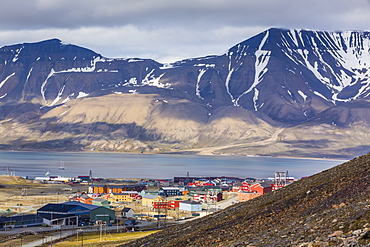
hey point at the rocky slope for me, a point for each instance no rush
(331, 208)
(281, 92)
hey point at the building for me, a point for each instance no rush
(125, 187)
(74, 213)
(246, 186)
(115, 188)
(125, 196)
(211, 189)
(148, 200)
(261, 188)
(163, 182)
(161, 205)
(104, 214)
(244, 196)
(128, 213)
(84, 178)
(202, 183)
(170, 191)
(100, 189)
(20, 221)
(207, 196)
(120, 197)
(100, 202)
(174, 204)
(190, 206)
(148, 192)
(82, 198)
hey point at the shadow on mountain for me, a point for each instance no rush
(321, 143)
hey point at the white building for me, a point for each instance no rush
(190, 206)
(127, 213)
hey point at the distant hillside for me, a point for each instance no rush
(283, 92)
(331, 208)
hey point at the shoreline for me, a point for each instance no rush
(190, 153)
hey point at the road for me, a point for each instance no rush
(48, 239)
(58, 234)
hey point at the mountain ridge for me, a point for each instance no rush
(284, 77)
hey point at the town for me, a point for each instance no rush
(91, 203)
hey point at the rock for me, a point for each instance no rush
(336, 234)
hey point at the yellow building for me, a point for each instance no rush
(120, 197)
(148, 200)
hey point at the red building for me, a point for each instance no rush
(261, 188)
(202, 183)
(161, 205)
(174, 204)
(203, 196)
(246, 187)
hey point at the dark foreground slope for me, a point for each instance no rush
(329, 208)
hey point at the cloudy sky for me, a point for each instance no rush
(169, 30)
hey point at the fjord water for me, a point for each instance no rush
(119, 165)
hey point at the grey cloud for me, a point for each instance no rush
(153, 14)
(166, 29)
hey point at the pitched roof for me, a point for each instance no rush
(99, 199)
(85, 205)
(25, 217)
(54, 207)
(126, 210)
(191, 202)
(118, 194)
(123, 186)
(263, 184)
(170, 188)
(204, 193)
(150, 196)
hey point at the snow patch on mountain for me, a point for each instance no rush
(260, 67)
(255, 98)
(197, 91)
(43, 85)
(302, 94)
(316, 50)
(152, 80)
(82, 95)
(6, 79)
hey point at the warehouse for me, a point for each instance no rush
(74, 213)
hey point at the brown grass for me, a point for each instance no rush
(109, 240)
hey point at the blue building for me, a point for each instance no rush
(20, 221)
(74, 213)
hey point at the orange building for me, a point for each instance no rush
(246, 196)
(98, 189)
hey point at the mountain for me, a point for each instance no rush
(331, 208)
(282, 92)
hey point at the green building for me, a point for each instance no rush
(100, 202)
(103, 214)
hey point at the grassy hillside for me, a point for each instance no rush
(331, 208)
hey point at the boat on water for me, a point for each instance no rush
(62, 167)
